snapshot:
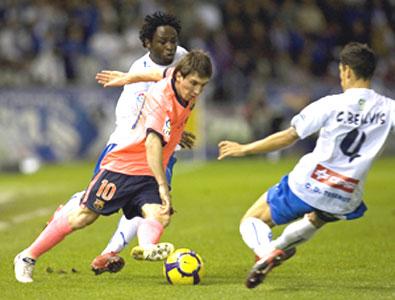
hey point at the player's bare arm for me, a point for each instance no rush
(109, 78)
(276, 141)
(153, 146)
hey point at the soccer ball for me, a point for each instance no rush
(183, 266)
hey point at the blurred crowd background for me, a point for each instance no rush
(271, 57)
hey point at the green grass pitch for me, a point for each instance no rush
(345, 260)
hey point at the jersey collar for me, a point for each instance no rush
(179, 99)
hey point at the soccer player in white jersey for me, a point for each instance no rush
(159, 35)
(325, 185)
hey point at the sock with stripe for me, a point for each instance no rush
(257, 235)
(126, 231)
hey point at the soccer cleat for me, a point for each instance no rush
(108, 262)
(155, 252)
(23, 268)
(265, 265)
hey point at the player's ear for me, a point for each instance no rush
(147, 44)
(348, 71)
(179, 76)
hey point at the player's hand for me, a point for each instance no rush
(187, 140)
(109, 78)
(164, 194)
(228, 148)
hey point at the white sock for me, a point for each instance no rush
(257, 235)
(72, 203)
(294, 234)
(126, 231)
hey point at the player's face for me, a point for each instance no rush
(163, 45)
(190, 86)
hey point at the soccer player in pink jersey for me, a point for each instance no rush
(327, 184)
(159, 35)
(132, 176)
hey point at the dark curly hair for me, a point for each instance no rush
(152, 22)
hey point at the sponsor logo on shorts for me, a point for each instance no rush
(334, 180)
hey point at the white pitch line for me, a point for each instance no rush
(4, 225)
(6, 197)
(25, 217)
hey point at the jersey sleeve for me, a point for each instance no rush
(168, 72)
(157, 119)
(136, 90)
(311, 119)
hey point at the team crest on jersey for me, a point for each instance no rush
(361, 103)
(98, 204)
(334, 179)
(167, 128)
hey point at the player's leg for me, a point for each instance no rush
(70, 205)
(149, 233)
(298, 232)
(91, 206)
(126, 231)
(109, 260)
(52, 235)
(255, 227)
(277, 206)
(284, 247)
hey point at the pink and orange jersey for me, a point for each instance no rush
(162, 111)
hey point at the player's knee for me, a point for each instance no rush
(81, 218)
(154, 211)
(165, 220)
(315, 220)
(261, 212)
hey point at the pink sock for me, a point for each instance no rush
(52, 235)
(149, 232)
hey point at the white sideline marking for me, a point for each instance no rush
(6, 197)
(25, 217)
(4, 226)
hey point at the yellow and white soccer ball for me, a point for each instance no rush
(183, 266)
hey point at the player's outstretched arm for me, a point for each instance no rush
(109, 78)
(276, 141)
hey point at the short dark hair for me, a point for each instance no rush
(360, 58)
(194, 61)
(152, 22)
